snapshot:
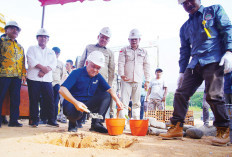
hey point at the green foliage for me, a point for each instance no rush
(195, 100)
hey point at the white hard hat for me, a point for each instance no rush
(106, 31)
(181, 1)
(42, 31)
(97, 58)
(12, 23)
(134, 34)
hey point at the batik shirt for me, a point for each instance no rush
(12, 58)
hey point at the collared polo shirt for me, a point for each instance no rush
(82, 86)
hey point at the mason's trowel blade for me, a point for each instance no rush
(95, 116)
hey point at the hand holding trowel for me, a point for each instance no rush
(84, 108)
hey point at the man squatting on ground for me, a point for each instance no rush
(79, 92)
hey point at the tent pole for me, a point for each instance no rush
(43, 17)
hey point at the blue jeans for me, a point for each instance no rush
(142, 107)
(99, 103)
(13, 84)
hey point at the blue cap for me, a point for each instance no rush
(158, 69)
(56, 49)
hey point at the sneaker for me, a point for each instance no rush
(98, 127)
(63, 120)
(72, 127)
(222, 138)
(174, 132)
(15, 124)
(52, 124)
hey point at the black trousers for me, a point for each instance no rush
(35, 89)
(99, 103)
(214, 85)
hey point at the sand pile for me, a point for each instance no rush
(81, 140)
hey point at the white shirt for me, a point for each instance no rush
(157, 88)
(46, 57)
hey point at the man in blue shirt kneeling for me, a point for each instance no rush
(79, 89)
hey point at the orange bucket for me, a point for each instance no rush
(139, 127)
(115, 126)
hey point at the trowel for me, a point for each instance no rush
(93, 115)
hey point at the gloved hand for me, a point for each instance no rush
(180, 79)
(227, 62)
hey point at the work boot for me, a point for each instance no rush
(174, 132)
(222, 138)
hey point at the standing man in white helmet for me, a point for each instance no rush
(79, 92)
(206, 37)
(41, 61)
(109, 68)
(133, 64)
(12, 71)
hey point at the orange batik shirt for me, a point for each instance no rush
(12, 58)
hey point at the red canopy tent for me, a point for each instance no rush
(51, 2)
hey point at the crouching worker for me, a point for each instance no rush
(79, 89)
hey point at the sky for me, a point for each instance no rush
(72, 26)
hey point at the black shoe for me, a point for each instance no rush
(98, 127)
(52, 124)
(4, 121)
(15, 124)
(72, 127)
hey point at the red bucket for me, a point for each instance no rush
(139, 127)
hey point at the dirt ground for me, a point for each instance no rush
(49, 142)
